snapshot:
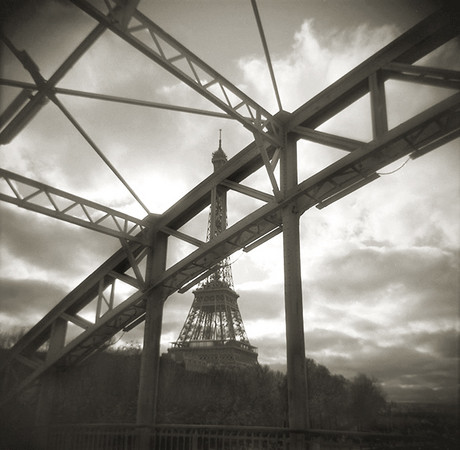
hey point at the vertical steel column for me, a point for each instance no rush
(295, 339)
(150, 359)
(378, 104)
(48, 383)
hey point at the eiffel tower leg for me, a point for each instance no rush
(150, 359)
(295, 339)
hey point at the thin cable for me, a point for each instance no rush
(96, 149)
(111, 344)
(393, 171)
(230, 263)
(267, 53)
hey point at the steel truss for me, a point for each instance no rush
(420, 134)
(147, 37)
(44, 199)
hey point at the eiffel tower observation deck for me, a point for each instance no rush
(213, 333)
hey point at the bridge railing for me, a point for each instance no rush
(208, 437)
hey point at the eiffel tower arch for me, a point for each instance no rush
(213, 333)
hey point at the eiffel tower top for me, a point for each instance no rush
(219, 158)
(217, 223)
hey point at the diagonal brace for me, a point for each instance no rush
(261, 146)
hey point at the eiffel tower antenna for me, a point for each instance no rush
(213, 333)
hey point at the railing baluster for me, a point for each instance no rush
(197, 437)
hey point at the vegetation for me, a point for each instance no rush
(104, 390)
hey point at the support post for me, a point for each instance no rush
(378, 104)
(150, 359)
(295, 339)
(49, 382)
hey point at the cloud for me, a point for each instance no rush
(406, 371)
(23, 302)
(316, 59)
(37, 246)
(371, 270)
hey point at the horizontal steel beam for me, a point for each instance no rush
(246, 190)
(28, 89)
(184, 237)
(426, 75)
(330, 140)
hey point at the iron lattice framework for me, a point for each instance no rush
(213, 333)
(140, 262)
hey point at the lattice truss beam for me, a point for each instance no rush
(44, 199)
(143, 34)
(117, 308)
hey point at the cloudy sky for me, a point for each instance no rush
(380, 267)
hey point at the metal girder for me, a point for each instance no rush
(182, 236)
(330, 140)
(186, 66)
(86, 344)
(29, 88)
(262, 146)
(44, 199)
(425, 75)
(109, 319)
(85, 293)
(37, 101)
(378, 104)
(16, 104)
(254, 193)
(439, 123)
(416, 43)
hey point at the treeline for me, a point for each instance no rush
(104, 390)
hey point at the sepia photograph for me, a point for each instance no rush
(229, 224)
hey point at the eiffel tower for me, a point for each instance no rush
(213, 333)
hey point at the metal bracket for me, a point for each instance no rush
(261, 146)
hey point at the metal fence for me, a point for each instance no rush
(166, 437)
(198, 437)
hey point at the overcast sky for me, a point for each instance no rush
(380, 267)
